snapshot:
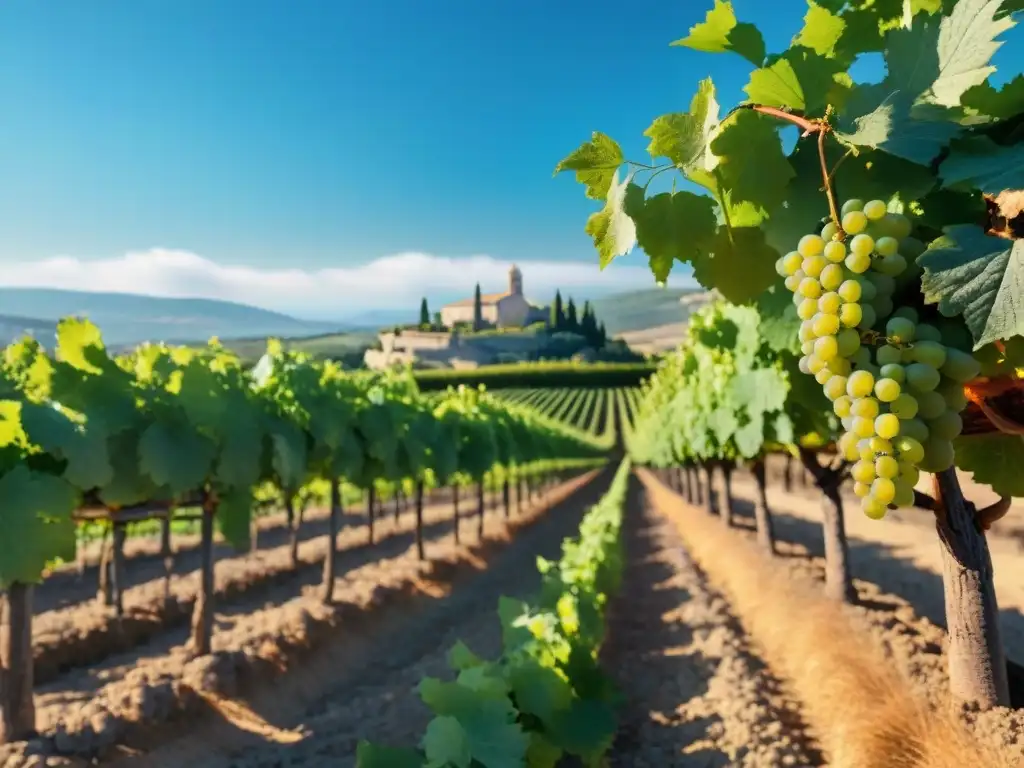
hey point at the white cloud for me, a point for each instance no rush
(390, 282)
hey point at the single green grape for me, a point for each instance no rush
(953, 393)
(831, 277)
(887, 467)
(826, 348)
(823, 376)
(829, 231)
(826, 325)
(862, 245)
(853, 204)
(835, 387)
(873, 508)
(888, 355)
(862, 427)
(926, 332)
(893, 371)
(863, 471)
(887, 390)
(854, 222)
(861, 489)
(807, 347)
(907, 312)
(904, 496)
(884, 284)
(931, 353)
(835, 252)
(960, 366)
(840, 364)
(887, 425)
(892, 266)
(792, 283)
(883, 306)
(883, 490)
(861, 358)
(946, 426)
(841, 406)
(860, 384)
(868, 292)
(850, 291)
(866, 407)
(829, 303)
(792, 261)
(922, 377)
(899, 330)
(806, 309)
(810, 288)
(848, 341)
(851, 315)
(810, 245)
(909, 472)
(887, 246)
(868, 316)
(938, 456)
(813, 265)
(904, 406)
(915, 428)
(874, 209)
(858, 262)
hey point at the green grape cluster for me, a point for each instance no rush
(897, 389)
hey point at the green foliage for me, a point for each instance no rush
(167, 424)
(724, 395)
(538, 375)
(933, 140)
(546, 696)
(424, 312)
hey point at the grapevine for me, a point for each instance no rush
(903, 301)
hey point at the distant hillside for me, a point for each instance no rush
(126, 318)
(13, 327)
(643, 309)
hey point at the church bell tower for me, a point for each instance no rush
(515, 281)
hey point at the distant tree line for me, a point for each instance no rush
(565, 319)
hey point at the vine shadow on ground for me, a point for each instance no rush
(881, 565)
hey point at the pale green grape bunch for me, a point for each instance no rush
(897, 389)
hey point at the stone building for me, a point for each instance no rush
(505, 310)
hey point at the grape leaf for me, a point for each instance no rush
(446, 743)
(84, 450)
(720, 32)
(37, 525)
(980, 163)
(233, 517)
(595, 162)
(1001, 104)
(994, 460)
(749, 438)
(539, 690)
(799, 79)
(542, 753)
(821, 31)
(980, 277)
(779, 325)
(683, 137)
(751, 162)
(80, 345)
(740, 266)
(672, 226)
(175, 457)
(372, 756)
(760, 391)
(586, 728)
(613, 232)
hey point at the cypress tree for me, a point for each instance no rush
(478, 310)
(571, 321)
(557, 316)
(424, 312)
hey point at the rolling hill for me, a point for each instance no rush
(643, 309)
(126, 318)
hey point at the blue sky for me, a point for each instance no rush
(188, 146)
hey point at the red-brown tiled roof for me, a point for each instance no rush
(487, 298)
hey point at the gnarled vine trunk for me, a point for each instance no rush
(762, 513)
(293, 530)
(838, 580)
(725, 502)
(17, 707)
(976, 658)
(202, 611)
(168, 555)
(455, 513)
(420, 551)
(709, 482)
(371, 503)
(333, 528)
(480, 509)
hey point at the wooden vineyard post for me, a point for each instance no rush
(398, 505)
(455, 512)
(506, 497)
(420, 552)
(333, 527)
(166, 554)
(519, 495)
(118, 568)
(480, 510)
(787, 474)
(977, 660)
(709, 482)
(104, 594)
(17, 708)
(293, 529)
(371, 500)
(202, 613)
(725, 499)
